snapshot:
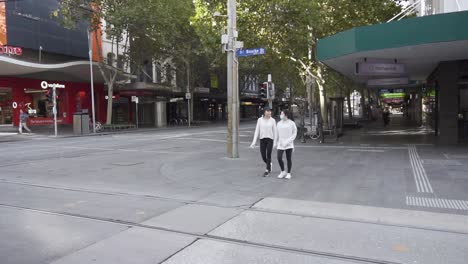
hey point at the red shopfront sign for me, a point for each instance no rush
(8, 50)
(39, 121)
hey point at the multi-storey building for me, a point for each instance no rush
(424, 56)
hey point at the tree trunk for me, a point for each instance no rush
(350, 111)
(310, 88)
(323, 105)
(110, 94)
(363, 104)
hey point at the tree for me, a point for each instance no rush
(290, 30)
(90, 14)
(152, 28)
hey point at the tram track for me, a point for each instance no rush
(244, 207)
(329, 255)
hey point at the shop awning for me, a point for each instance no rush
(77, 71)
(419, 43)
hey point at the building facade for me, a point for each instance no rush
(34, 49)
(426, 57)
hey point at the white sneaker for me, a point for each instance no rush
(288, 176)
(281, 175)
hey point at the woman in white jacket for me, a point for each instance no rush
(284, 141)
(266, 131)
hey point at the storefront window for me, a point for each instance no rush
(40, 103)
(6, 109)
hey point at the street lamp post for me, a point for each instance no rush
(90, 47)
(232, 83)
(90, 51)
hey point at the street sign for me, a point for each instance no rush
(369, 68)
(135, 99)
(188, 96)
(251, 52)
(389, 81)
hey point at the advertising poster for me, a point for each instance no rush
(3, 29)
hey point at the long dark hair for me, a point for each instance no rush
(288, 114)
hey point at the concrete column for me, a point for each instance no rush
(447, 78)
(160, 112)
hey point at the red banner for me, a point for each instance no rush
(39, 121)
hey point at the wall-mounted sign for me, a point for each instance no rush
(8, 50)
(202, 90)
(214, 81)
(37, 121)
(369, 68)
(386, 82)
(393, 95)
(45, 85)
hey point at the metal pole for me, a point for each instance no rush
(40, 54)
(55, 110)
(90, 46)
(232, 83)
(136, 106)
(189, 113)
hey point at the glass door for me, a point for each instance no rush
(6, 109)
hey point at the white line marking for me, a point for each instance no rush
(462, 207)
(454, 205)
(418, 201)
(465, 203)
(366, 150)
(446, 205)
(427, 203)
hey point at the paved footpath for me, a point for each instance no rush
(173, 197)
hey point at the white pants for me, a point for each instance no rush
(25, 127)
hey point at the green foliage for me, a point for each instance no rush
(187, 31)
(289, 30)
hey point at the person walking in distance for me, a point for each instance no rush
(266, 131)
(23, 122)
(285, 136)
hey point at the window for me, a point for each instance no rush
(110, 58)
(169, 76)
(158, 73)
(149, 71)
(6, 109)
(108, 32)
(121, 62)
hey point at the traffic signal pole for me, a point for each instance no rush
(269, 93)
(54, 110)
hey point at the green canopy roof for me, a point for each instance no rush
(407, 32)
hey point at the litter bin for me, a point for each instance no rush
(80, 123)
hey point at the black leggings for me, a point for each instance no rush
(288, 157)
(266, 146)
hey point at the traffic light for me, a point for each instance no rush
(262, 90)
